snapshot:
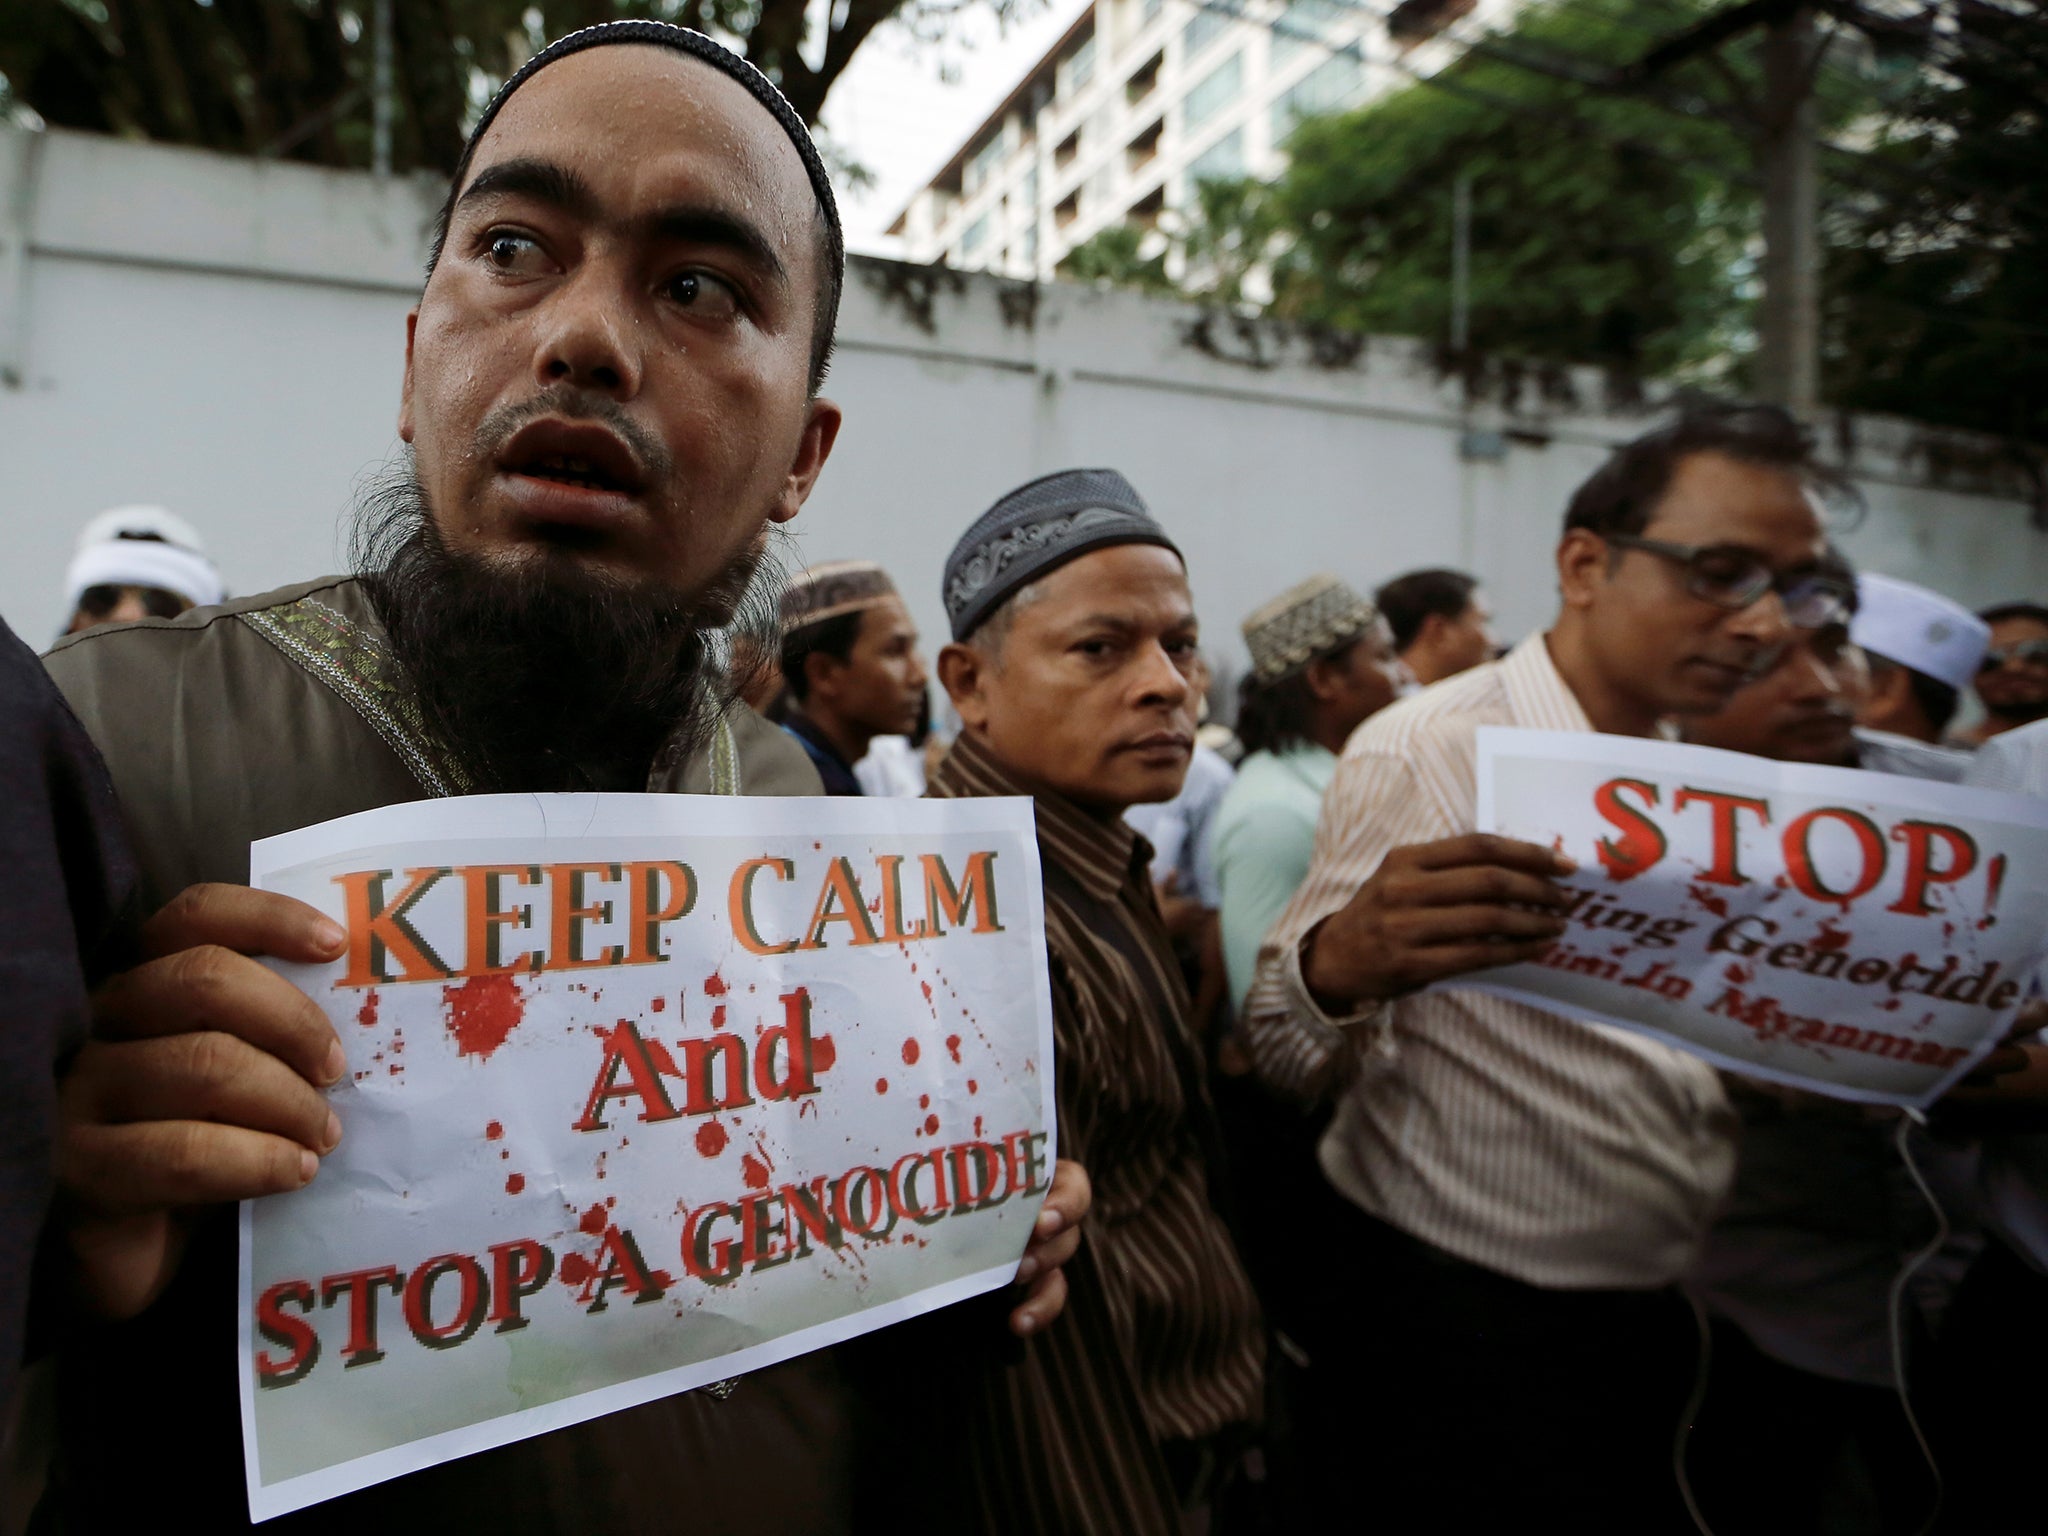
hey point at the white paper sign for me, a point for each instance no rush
(1858, 934)
(645, 1092)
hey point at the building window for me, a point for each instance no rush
(1069, 209)
(1064, 153)
(1329, 87)
(1027, 194)
(1143, 82)
(1209, 23)
(1143, 150)
(982, 164)
(1215, 91)
(1080, 65)
(1302, 24)
(1415, 21)
(1031, 247)
(977, 232)
(1221, 161)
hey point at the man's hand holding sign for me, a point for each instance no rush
(1433, 911)
(596, 1176)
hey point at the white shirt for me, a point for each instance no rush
(1560, 1152)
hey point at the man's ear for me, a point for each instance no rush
(964, 674)
(813, 448)
(1582, 563)
(1324, 678)
(412, 321)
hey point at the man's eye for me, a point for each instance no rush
(513, 253)
(702, 294)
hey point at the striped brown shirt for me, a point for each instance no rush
(1161, 1339)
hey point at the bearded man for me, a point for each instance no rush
(609, 400)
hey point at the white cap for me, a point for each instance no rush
(143, 547)
(1916, 628)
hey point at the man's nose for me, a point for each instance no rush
(1162, 680)
(918, 676)
(589, 334)
(1763, 623)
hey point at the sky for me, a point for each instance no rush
(901, 110)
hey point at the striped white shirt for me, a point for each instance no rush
(1562, 1153)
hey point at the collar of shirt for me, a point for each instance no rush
(1538, 696)
(834, 769)
(1101, 853)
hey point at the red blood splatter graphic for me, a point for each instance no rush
(754, 1171)
(482, 1012)
(514, 1183)
(1709, 900)
(714, 985)
(973, 1086)
(711, 1138)
(1829, 936)
(824, 1054)
(1738, 974)
(924, 1101)
(977, 1127)
(931, 1125)
(927, 990)
(397, 1044)
(657, 1003)
(593, 1220)
(910, 1053)
(493, 1131)
(576, 1270)
(953, 1048)
(504, 1154)
(718, 1016)
(881, 1085)
(367, 1014)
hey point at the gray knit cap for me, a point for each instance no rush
(1036, 528)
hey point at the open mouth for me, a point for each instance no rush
(571, 469)
(582, 457)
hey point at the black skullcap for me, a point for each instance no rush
(1036, 528)
(664, 35)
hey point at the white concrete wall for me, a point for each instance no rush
(225, 337)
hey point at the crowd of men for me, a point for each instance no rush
(1331, 1247)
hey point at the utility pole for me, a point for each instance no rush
(380, 89)
(1788, 320)
(1461, 263)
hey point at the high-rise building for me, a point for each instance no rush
(1142, 99)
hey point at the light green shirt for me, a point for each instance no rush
(1265, 834)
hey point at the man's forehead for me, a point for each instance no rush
(648, 115)
(1143, 581)
(1716, 499)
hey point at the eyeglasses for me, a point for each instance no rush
(1734, 578)
(2035, 651)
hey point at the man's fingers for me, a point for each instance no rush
(1049, 1253)
(1066, 1202)
(164, 1163)
(1448, 925)
(1485, 848)
(203, 1076)
(1470, 883)
(1046, 1299)
(249, 922)
(213, 988)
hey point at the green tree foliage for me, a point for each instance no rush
(1938, 271)
(292, 77)
(1114, 255)
(1604, 229)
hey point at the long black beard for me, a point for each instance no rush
(549, 676)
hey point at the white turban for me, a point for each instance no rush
(171, 557)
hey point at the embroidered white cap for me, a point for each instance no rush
(1916, 628)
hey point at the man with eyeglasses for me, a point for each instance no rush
(1501, 1328)
(2012, 680)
